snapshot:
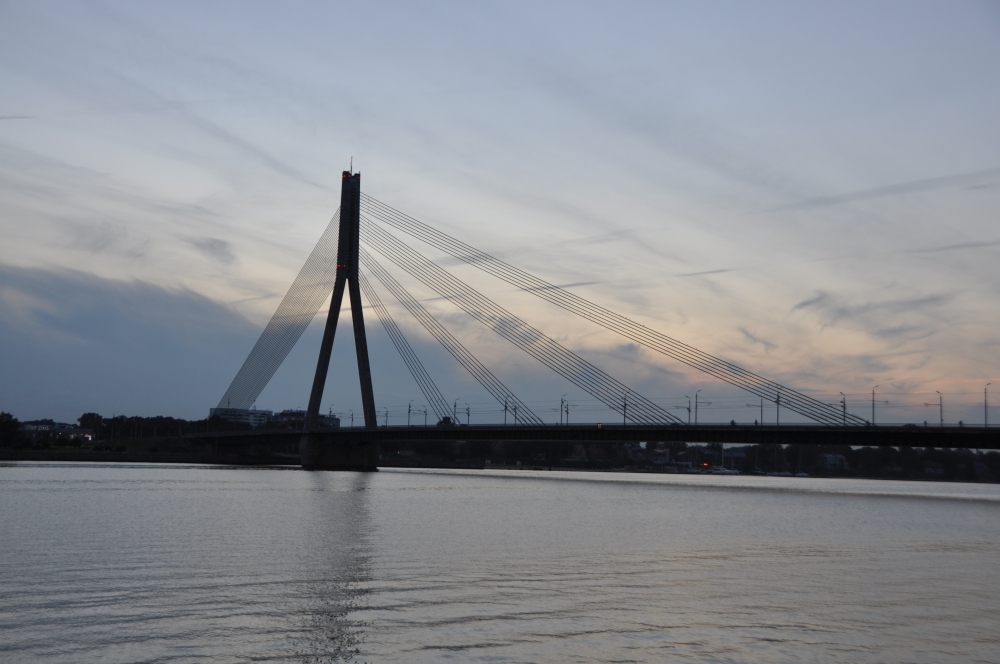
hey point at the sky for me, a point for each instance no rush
(809, 190)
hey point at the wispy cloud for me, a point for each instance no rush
(706, 272)
(556, 286)
(954, 247)
(901, 189)
(903, 319)
(757, 340)
(213, 247)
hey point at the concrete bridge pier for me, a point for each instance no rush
(322, 452)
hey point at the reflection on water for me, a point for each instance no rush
(154, 563)
(337, 590)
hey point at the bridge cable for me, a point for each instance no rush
(483, 376)
(788, 396)
(310, 289)
(582, 374)
(570, 366)
(585, 375)
(430, 391)
(544, 286)
(721, 369)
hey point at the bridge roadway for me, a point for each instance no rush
(895, 436)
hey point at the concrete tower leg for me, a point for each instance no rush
(317, 448)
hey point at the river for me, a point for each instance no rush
(170, 563)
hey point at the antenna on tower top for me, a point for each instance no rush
(352, 166)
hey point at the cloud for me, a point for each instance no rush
(954, 247)
(558, 286)
(905, 319)
(213, 248)
(754, 338)
(706, 272)
(71, 342)
(901, 189)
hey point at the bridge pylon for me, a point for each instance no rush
(314, 453)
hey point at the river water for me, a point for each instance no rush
(160, 563)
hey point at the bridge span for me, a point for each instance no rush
(364, 229)
(358, 448)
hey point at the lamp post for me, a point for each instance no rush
(624, 407)
(689, 409)
(425, 415)
(986, 410)
(567, 412)
(843, 406)
(468, 415)
(409, 407)
(873, 405)
(454, 411)
(941, 406)
(696, 407)
(386, 417)
(562, 407)
(505, 411)
(352, 417)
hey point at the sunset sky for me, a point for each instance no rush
(810, 190)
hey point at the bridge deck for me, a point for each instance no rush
(895, 436)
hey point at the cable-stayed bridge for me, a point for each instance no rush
(365, 232)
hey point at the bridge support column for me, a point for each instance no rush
(321, 451)
(315, 450)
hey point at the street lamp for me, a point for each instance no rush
(562, 406)
(696, 407)
(505, 411)
(352, 417)
(986, 411)
(624, 407)
(454, 411)
(843, 405)
(873, 405)
(386, 417)
(941, 406)
(689, 409)
(409, 407)
(468, 414)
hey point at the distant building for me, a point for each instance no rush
(294, 415)
(56, 431)
(253, 417)
(832, 461)
(658, 457)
